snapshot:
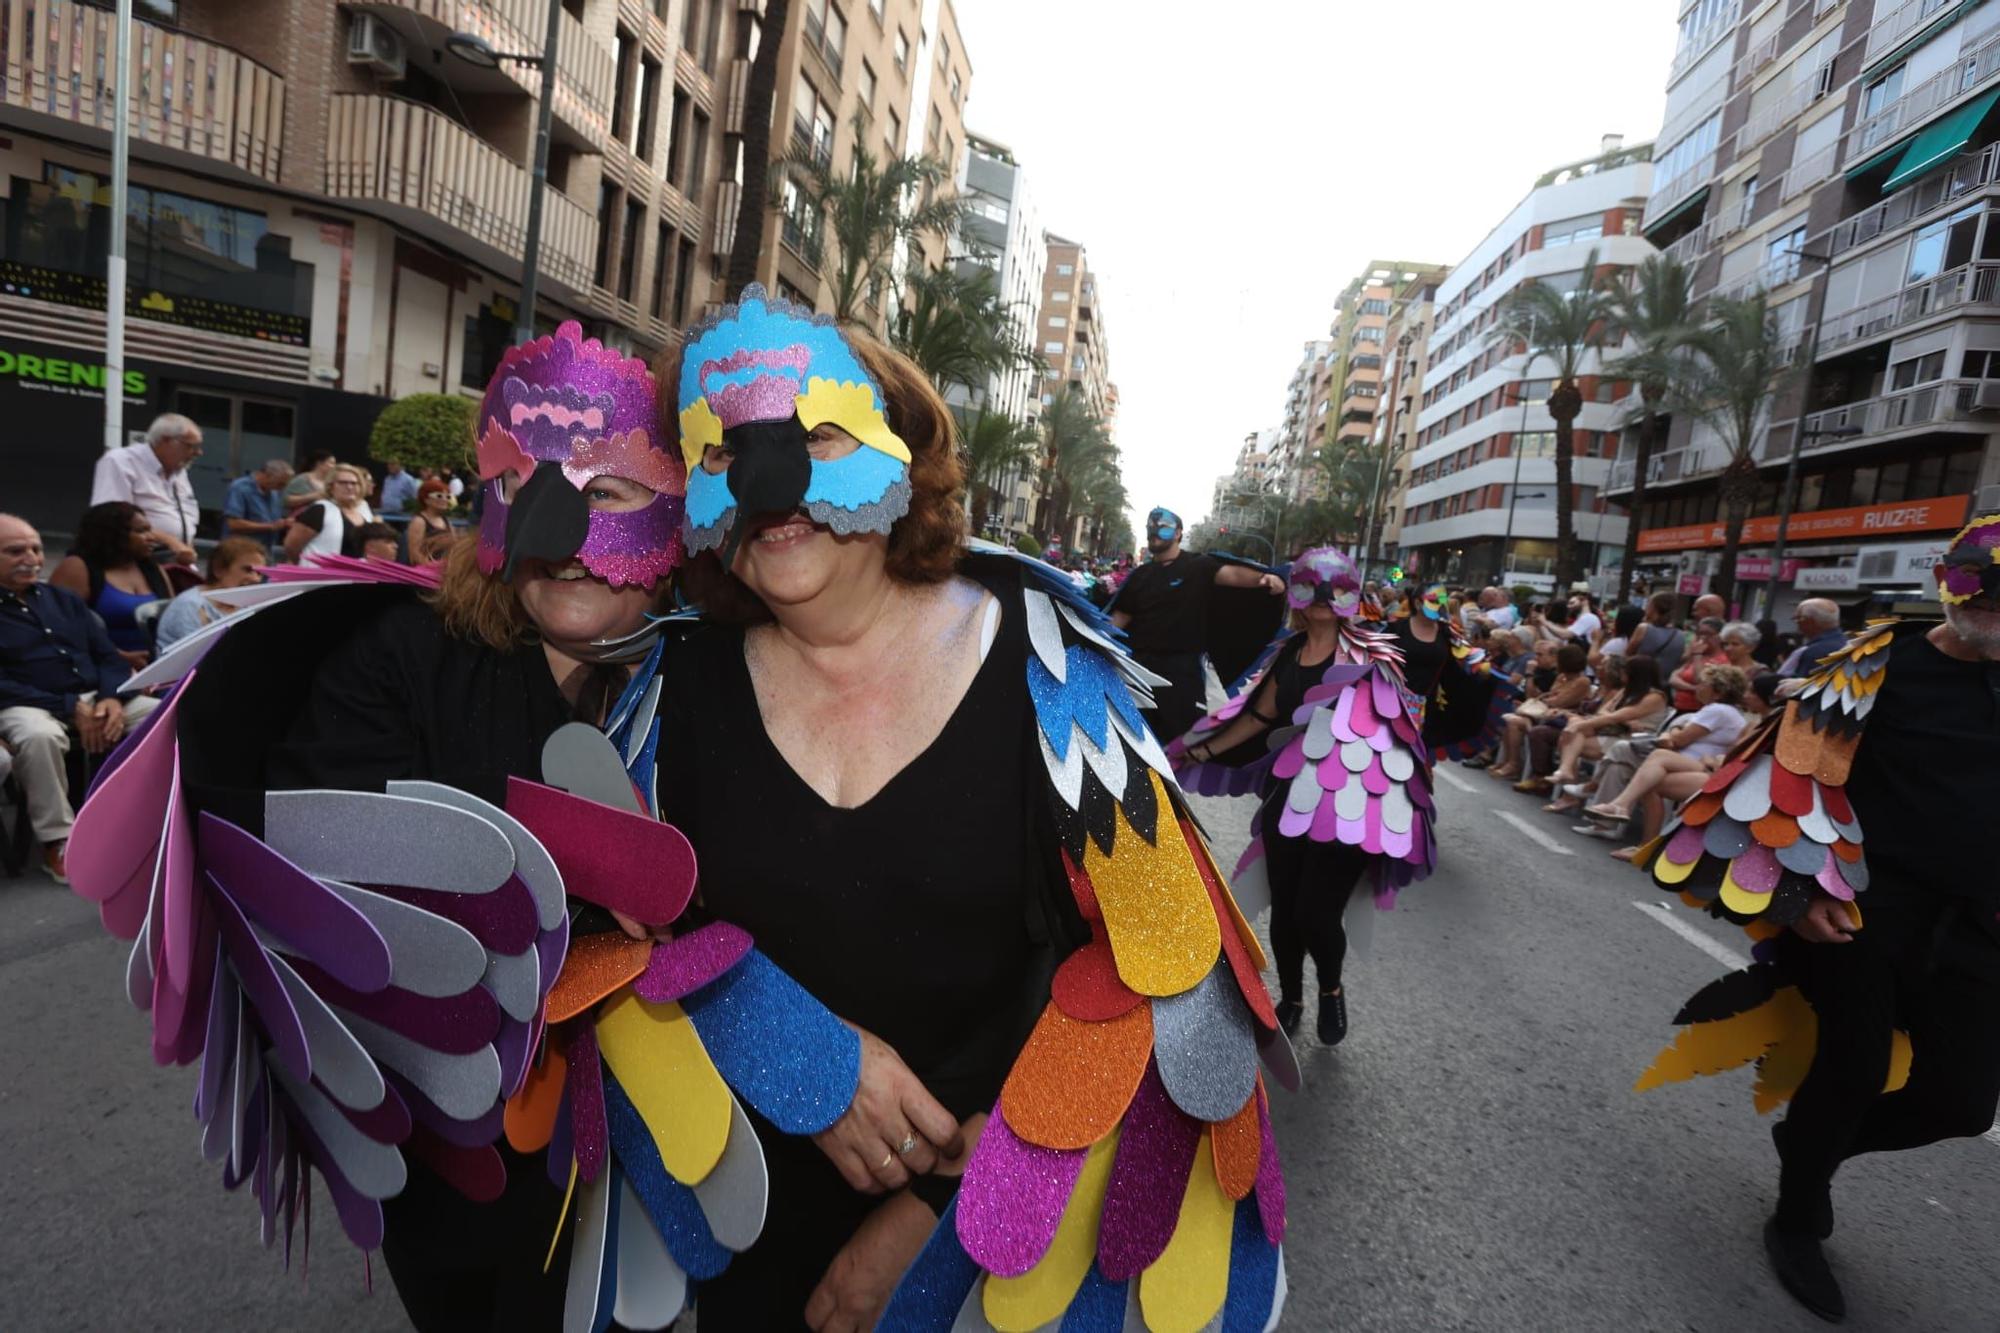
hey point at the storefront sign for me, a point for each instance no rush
(55, 374)
(1692, 585)
(1821, 525)
(1830, 578)
(1758, 568)
(192, 312)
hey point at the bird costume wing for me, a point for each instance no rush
(1128, 1171)
(1771, 827)
(1466, 713)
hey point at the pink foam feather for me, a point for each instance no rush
(1388, 699)
(1333, 774)
(1397, 845)
(1013, 1197)
(1362, 717)
(588, 1128)
(1325, 821)
(177, 888)
(1351, 831)
(1343, 717)
(1290, 760)
(1373, 779)
(1830, 880)
(1142, 1202)
(118, 829)
(1270, 1178)
(1757, 870)
(1383, 740)
(1684, 848)
(1291, 823)
(1371, 839)
(686, 963)
(180, 1017)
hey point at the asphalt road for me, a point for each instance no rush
(1471, 1158)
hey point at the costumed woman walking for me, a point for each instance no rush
(920, 777)
(1331, 738)
(1884, 1033)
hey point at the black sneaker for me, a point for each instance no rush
(1800, 1263)
(1290, 1014)
(1332, 1017)
(1479, 761)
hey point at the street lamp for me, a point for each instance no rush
(477, 51)
(1800, 433)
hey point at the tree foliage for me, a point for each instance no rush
(955, 325)
(1653, 309)
(1730, 383)
(866, 211)
(425, 430)
(993, 445)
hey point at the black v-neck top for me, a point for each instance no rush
(910, 915)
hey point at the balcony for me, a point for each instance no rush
(1928, 194)
(802, 236)
(201, 103)
(1679, 188)
(1970, 284)
(1972, 406)
(1963, 77)
(585, 70)
(1690, 54)
(1898, 24)
(408, 162)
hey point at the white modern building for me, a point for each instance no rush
(1003, 233)
(1481, 503)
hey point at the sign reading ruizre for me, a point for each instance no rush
(55, 371)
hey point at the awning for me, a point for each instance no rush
(1941, 140)
(1692, 201)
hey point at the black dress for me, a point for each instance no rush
(365, 685)
(1423, 662)
(920, 916)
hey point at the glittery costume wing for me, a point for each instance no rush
(1466, 713)
(359, 974)
(1128, 1172)
(651, 1044)
(1771, 829)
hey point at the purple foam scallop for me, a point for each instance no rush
(451, 1024)
(1270, 1186)
(463, 1133)
(686, 963)
(1830, 879)
(1013, 1197)
(389, 1122)
(1371, 828)
(1290, 760)
(1325, 821)
(1684, 848)
(506, 920)
(590, 1132)
(1292, 823)
(1374, 780)
(311, 919)
(1757, 870)
(1142, 1202)
(267, 995)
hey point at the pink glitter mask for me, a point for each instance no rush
(593, 412)
(1326, 576)
(1971, 565)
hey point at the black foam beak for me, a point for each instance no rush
(548, 520)
(769, 474)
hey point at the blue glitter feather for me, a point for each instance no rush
(780, 1049)
(675, 1211)
(1088, 697)
(1098, 1306)
(1253, 1274)
(935, 1286)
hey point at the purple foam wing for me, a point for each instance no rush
(1270, 1186)
(504, 921)
(117, 832)
(310, 919)
(686, 963)
(456, 1024)
(267, 995)
(1149, 1175)
(590, 1133)
(1013, 1198)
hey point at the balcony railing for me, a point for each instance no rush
(1897, 23)
(803, 237)
(1960, 79)
(1974, 402)
(1971, 284)
(1679, 188)
(1967, 172)
(189, 94)
(431, 173)
(1686, 58)
(1803, 175)
(586, 70)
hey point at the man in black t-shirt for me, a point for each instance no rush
(1924, 787)
(1163, 608)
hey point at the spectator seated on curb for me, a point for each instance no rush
(1680, 754)
(1566, 692)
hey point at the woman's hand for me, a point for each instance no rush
(135, 660)
(893, 1129)
(640, 932)
(1826, 921)
(861, 1278)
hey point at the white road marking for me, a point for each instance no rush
(1715, 949)
(1533, 834)
(1453, 779)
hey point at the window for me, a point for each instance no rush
(902, 51)
(649, 106)
(1943, 245)
(1694, 149)
(1571, 230)
(1781, 255)
(628, 248)
(957, 88)
(663, 268)
(697, 153)
(936, 125)
(868, 87)
(895, 141)
(1877, 96)
(1374, 306)
(1917, 370)
(1065, 270)
(1052, 348)
(623, 45)
(1982, 366)
(607, 209)
(1058, 321)
(826, 32)
(683, 280)
(1748, 192)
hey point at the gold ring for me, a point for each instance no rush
(884, 1164)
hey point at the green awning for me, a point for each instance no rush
(1692, 201)
(1941, 140)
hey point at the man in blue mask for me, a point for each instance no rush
(1165, 605)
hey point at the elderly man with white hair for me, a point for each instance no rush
(154, 477)
(1819, 625)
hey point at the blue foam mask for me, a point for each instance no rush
(1163, 525)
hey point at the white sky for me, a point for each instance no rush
(1230, 167)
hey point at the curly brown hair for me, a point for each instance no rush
(924, 545)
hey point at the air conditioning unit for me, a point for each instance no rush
(1880, 565)
(373, 43)
(1986, 397)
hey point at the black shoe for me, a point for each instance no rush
(1817, 1213)
(1290, 1014)
(1477, 761)
(1799, 1262)
(1332, 1017)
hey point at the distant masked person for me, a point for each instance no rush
(1168, 607)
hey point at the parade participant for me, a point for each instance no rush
(387, 1037)
(1347, 792)
(1882, 1032)
(921, 778)
(1165, 607)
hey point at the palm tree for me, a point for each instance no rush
(994, 445)
(1738, 367)
(1074, 441)
(1564, 328)
(955, 325)
(1654, 309)
(759, 99)
(866, 210)
(1102, 498)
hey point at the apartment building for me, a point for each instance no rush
(1070, 330)
(1306, 408)
(887, 77)
(1480, 503)
(1842, 158)
(1405, 349)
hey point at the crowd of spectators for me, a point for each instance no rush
(1619, 720)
